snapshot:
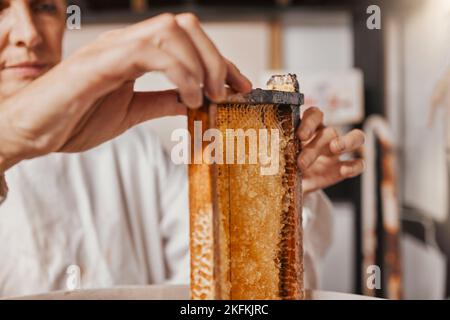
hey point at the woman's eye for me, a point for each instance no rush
(45, 8)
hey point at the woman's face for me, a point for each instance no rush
(31, 33)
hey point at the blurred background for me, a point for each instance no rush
(393, 82)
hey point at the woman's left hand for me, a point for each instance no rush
(322, 148)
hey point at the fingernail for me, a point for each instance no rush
(304, 162)
(193, 100)
(195, 96)
(248, 85)
(223, 93)
(305, 134)
(197, 99)
(347, 171)
(219, 94)
(339, 145)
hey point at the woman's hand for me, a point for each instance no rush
(322, 149)
(89, 98)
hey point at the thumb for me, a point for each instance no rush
(152, 105)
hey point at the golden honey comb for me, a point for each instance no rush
(246, 237)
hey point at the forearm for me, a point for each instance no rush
(35, 121)
(29, 119)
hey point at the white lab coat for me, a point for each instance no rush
(118, 212)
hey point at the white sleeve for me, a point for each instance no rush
(3, 188)
(317, 234)
(175, 223)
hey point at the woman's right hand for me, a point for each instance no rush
(89, 98)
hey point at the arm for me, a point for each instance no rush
(89, 98)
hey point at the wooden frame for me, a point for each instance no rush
(211, 263)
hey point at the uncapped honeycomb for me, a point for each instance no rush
(245, 226)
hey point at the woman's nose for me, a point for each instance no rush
(24, 31)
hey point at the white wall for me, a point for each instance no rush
(425, 37)
(427, 50)
(318, 41)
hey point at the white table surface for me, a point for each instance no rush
(160, 293)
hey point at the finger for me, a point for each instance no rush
(318, 146)
(315, 183)
(164, 33)
(351, 168)
(189, 88)
(236, 80)
(312, 120)
(151, 105)
(347, 143)
(213, 62)
(333, 175)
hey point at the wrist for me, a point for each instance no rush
(7, 160)
(3, 188)
(2, 165)
(5, 164)
(3, 161)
